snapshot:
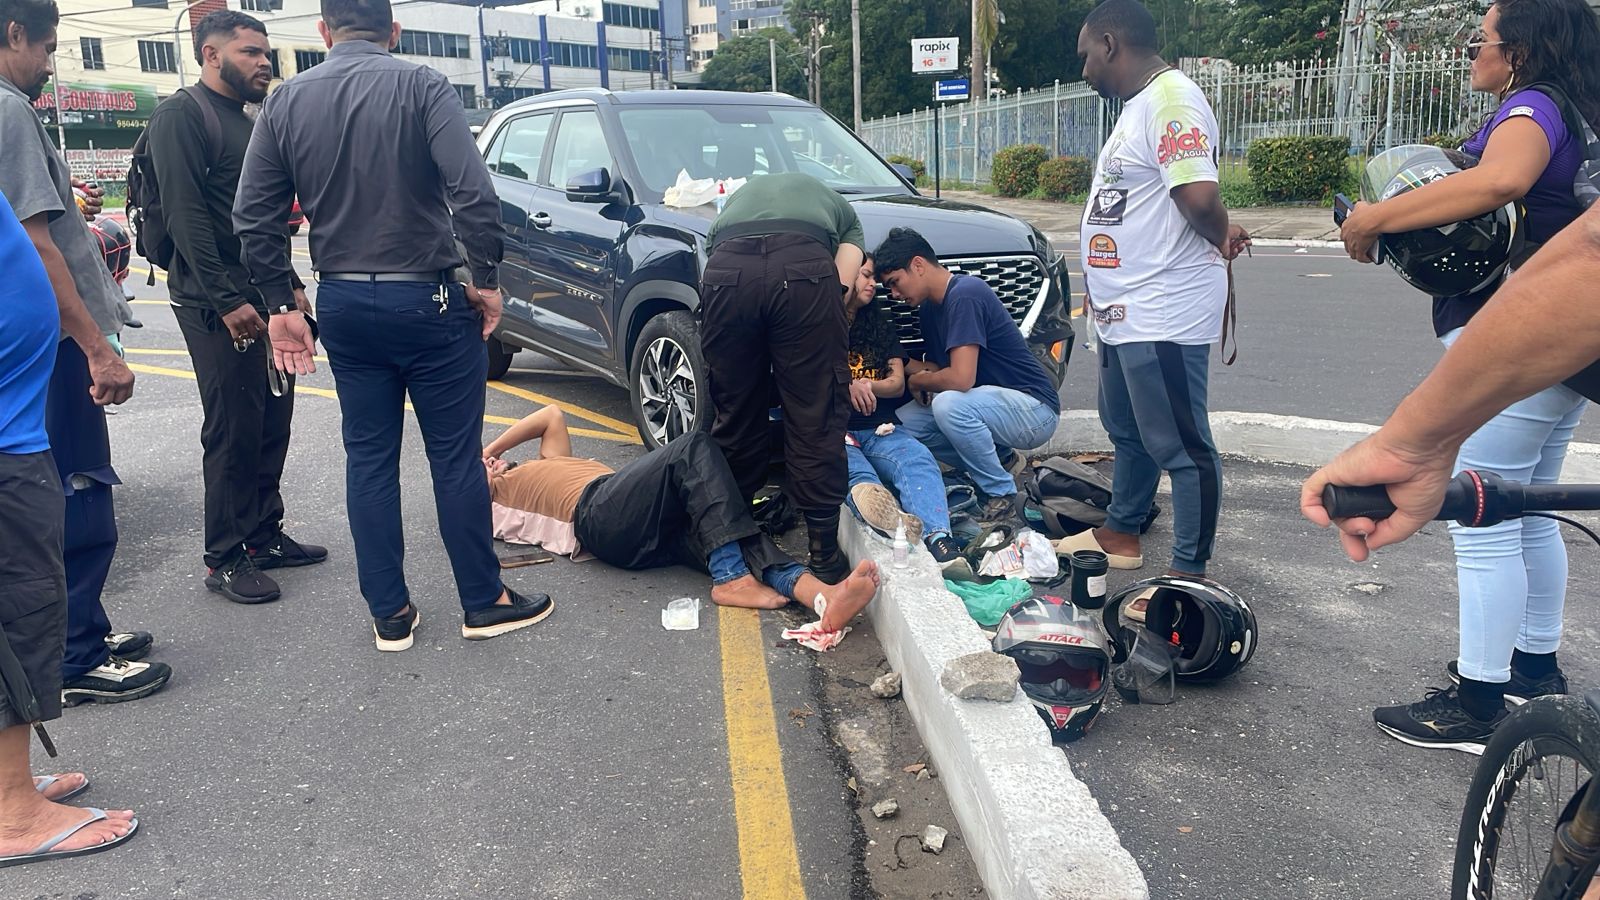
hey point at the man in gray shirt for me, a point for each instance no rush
(89, 373)
(379, 153)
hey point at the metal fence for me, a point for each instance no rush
(1377, 105)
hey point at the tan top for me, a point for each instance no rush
(536, 502)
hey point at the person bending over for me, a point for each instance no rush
(676, 505)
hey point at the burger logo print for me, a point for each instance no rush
(1103, 252)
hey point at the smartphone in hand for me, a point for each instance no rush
(1342, 207)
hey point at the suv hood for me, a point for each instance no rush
(954, 229)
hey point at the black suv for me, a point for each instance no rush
(601, 274)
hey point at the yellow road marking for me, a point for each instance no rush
(324, 392)
(621, 427)
(162, 276)
(768, 860)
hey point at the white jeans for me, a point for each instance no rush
(1512, 577)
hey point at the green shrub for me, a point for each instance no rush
(918, 169)
(1445, 140)
(1299, 168)
(1065, 176)
(1238, 191)
(1015, 172)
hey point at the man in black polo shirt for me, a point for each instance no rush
(223, 316)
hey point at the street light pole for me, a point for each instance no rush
(855, 56)
(177, 41)
(772, 60)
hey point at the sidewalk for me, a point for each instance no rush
(1061, 220)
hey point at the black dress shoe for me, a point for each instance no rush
(393, 634)
(284, 552)
(493, 621)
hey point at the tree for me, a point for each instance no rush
(743, 64)
(985, 28)
(1258, 31)
(887, 28)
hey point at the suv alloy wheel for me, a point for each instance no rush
(671, 391)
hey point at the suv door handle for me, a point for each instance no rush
(540, 220)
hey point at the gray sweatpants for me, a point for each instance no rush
(1153, 405)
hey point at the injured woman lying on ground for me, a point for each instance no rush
(678, 505)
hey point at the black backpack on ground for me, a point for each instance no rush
(1072, 497)
(150, 235)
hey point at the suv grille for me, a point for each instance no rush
(1017, 280)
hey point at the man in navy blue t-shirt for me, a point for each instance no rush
(988, 391)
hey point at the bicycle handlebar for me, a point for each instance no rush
(1475, 499)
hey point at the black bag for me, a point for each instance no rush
(774, 512)
(150, 235)
(1072, 497)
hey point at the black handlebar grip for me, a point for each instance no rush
(1370, 502)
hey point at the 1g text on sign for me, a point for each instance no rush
(934, 55)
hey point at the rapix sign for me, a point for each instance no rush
(930, 55)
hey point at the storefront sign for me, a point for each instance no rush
(97, 105)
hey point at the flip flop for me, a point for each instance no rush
(1137, 608)
(42, 783)
(47, 849)
(1084, 540)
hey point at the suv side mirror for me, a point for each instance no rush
(593, 186)
(905, 171)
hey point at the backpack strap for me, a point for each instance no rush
(213, 125)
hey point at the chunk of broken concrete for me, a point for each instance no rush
(886, 809)
(887, 685)
(981, 676)
(933, 839)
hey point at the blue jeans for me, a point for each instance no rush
(964, 429)
(1512, 577)
(727, 564)
(900, 462)
(1153, 407)
(387, 342)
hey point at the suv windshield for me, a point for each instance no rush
(741, 141)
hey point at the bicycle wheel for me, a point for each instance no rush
(1531, 770)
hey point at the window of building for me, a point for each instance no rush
(305, 59)
(524, 51)
(157, 4)
(261, 5)
(706, 28)
(707, 4)
(625, 16)
(469, 95)
(433, 43)
(758, 23)
(157, 56)
(575, 56)
(277, 67)
(92, 54)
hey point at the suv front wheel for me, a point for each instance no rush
(671, 393)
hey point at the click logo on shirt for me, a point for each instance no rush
(1178, 144)
(1103, 252)
(1109, 206)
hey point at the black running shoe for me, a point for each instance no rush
(1438, 721)
(129, 644)
(242, 582)
(493, 621)
(284, 552)
(394, 633)
(1520, 689)
(116, 680)
(947, 553)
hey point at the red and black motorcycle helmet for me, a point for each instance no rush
(1065, 661)
(116, 245)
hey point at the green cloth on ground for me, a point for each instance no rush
(986, 603)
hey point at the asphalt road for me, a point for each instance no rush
(590, 756)
(1320, 336)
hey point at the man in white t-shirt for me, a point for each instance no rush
(1155, 242)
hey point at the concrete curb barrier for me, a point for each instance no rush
(1267, 437)
(1034, 830)
(1293, 242)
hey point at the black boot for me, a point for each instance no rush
(827, 561)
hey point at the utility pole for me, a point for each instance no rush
(654, 60)
(816, 60)
(980, 64)
(772, 61)
(855, 57)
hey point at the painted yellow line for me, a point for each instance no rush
(324, 392)
(150, 302)
(160, 276)
(621, 427)
(768, 860)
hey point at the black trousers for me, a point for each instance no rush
(770, 313)
(672, 506)
(33, 579)
(245, 437)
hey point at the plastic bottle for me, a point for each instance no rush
(902, 547)
(722, 196)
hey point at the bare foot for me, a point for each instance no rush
(1116, 543)
(25, 830)
(745, 591)
(65, 783)
(850, 596)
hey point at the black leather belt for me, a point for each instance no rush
(437, 277)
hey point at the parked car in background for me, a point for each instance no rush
(601, 274)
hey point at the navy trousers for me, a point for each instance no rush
(82, 449)
(387, 341)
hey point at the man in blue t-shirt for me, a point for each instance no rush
(978, 388)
